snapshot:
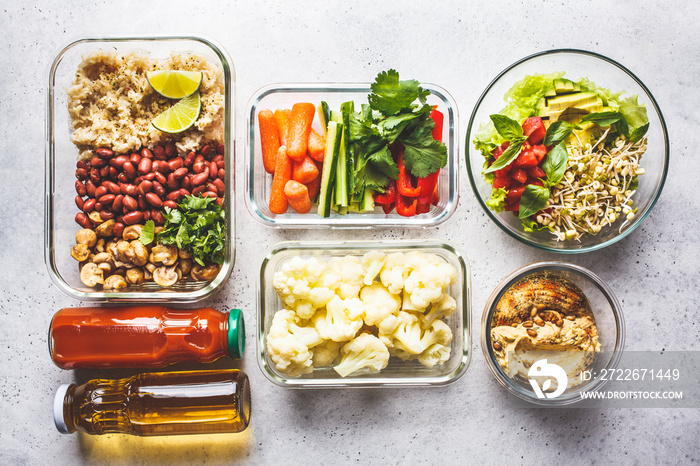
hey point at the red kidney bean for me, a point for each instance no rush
(112, 187)
(157, 217)
(106, 215)
(107, 199)
(113, 172)
(159, 152)
(133, 218)
(217, 158)
(90, 188)
(118, 202)
(145, 165)
(158, 189)
(83, 220)
(189, 159)
(99, 207)
(220, 201)
(186, 182)
(213, 169)
(80, 188)
(142, 202)
(205, 150)
(81, 174)
(162, 167)
(79, 202)
(130, 203)
(130, 170)
(104, 152)
(179, 173)
(98, 162)
(129, 189)
(95, 175)
(198, 190)
(198, 165)
(174, 195)
(160, 178)
(154, 200)
(147, 215)
(172, 182)
(123, 178)
(82, 164)
(118, 229)
(221, 149)
(135, 159)
(149, 176)
(170, 149)
(100, 191)
(184, 192)
(222, 174)
(220, 186)
(201, 177)
(119, 161)
(169, 203)
(145, 187)
(175, 163)
(89, 205)
(146, 152)
(104, 172)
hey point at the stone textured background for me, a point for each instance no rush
(459, 45)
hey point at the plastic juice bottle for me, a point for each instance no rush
(143, 336)
(159, 403)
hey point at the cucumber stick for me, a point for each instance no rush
(341, 173)
(334, 133)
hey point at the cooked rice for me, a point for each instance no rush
(111, 103)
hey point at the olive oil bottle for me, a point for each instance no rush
(159, 403)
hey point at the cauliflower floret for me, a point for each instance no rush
(412, 337)
(365, 351)
(326, 353)
(435, 354)
(311, 268)
(394, 272)
(426, 285)
(288, 344)
(442, 309)
(286, 323)
(334, 323)
(297, 285)
(379, 303)
(372, 263)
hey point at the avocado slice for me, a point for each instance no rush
(576, 99)
(565, 86)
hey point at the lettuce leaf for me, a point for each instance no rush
(497, 202)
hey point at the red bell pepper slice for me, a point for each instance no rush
(406, 206)
(438, 118)
(388, 196)
(427, 186)
(387, 208)
(405, 183)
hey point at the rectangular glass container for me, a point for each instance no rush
(258, 182)
(61, 157)
(397, 372)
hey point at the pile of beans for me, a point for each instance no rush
(135, 188)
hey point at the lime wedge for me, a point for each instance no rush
(180, 116)
(174, 84)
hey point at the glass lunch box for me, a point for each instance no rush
(397, 372)
(282, 96)
(62, 155)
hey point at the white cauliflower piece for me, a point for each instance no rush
(288, 344)
(351, 276)
(372, 263)
(435, 354)
(326, 353)
(365, 351)
(335, 323)
(380, 303)
(297, 285)
(394, 272)
(442, 309)
(410, 336)
(426, 285)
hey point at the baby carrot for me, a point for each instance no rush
(314, 186)
(283, 173)
(269, 139)
(298, 196)
(304, 171)
(317, 145)
(282, 116)
(299, 127)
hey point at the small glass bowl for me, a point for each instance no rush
(606, 312)
(282, 96)
(605, 73)
(398, 372)
(61, 157)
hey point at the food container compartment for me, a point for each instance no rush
(606, 73)
(258, 182)
(398, 372)
(608, 317)
(61, 157)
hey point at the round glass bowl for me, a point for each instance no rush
(608, 319)
(605, 73)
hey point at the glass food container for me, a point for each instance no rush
(397, 372)
(62, 155)
(282, 96)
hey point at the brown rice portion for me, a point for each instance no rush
(111, 103)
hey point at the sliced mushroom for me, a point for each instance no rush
(147, 274)
(132, 232)
(164, 254)
(100, 246)
(185, 266)
(119, 271)
(91, 275)
(124, 251)
(86, 236)
(114, 282)
(140, 252)
(210, 271)
(95, 218)
(80, 252)
(165, 276)
(102, 257)
(106, 228)
(151, 267)
(134, 276)
(105, 267)
(111, 248)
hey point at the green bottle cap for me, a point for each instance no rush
(236, 333)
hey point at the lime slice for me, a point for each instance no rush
(174, 84)
(180, 116)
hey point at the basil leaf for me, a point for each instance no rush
(534, 198)
(557, 132)
(554, 164)
(509, 129)
(603, 118)
(638, 133)
(508, 156)
(622, 126)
